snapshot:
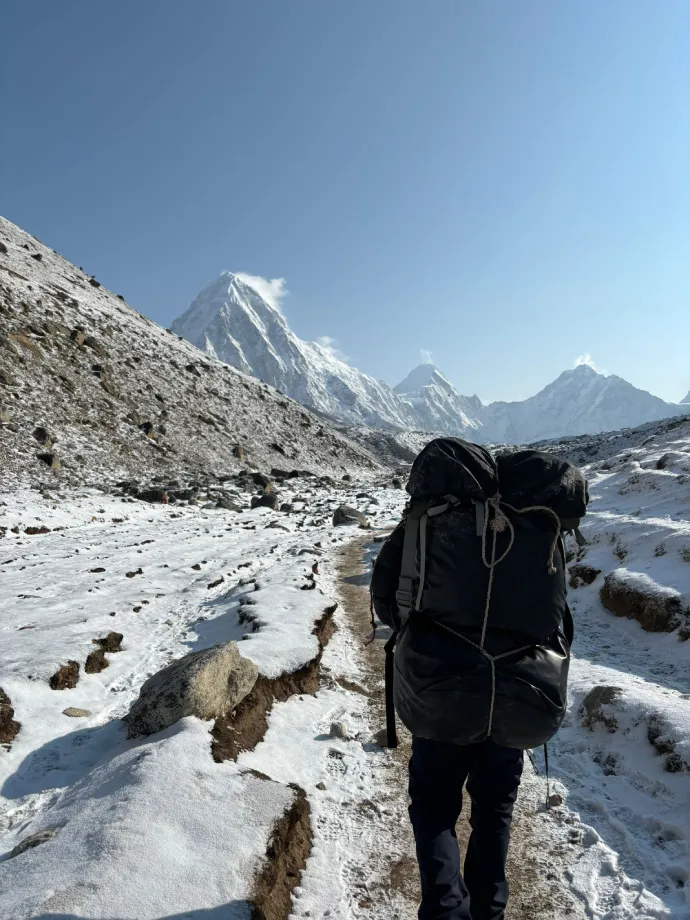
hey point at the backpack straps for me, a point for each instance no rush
(408, 564)
(415, 533)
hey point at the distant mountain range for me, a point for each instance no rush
(232, 321)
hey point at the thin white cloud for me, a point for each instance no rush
(273, 290)
(426, 356)
(587, 359)
(329, 344)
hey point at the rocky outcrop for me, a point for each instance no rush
(9, 728)
(205, 684)
(66, 676)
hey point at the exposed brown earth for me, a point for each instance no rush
(654, 612)
(242, 729)
(286, 857)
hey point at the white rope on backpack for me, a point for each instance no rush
(499, 523)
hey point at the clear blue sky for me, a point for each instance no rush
(503, 183)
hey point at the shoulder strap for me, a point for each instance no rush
(415, 533)
(408, 563)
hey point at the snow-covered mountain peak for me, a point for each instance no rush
(232, 320)
(423, 375)
(438, 402)
(236, 319)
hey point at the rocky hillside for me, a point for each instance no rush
(588, 448)
(91, 390)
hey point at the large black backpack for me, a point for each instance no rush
(473, 583)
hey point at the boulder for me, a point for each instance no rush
(96, 662)
(205, 684)
(8, 727)
(269, 500)
(50, 459)
(75, 713)
(339, 731)
(154, 496)
(110, 643)
(592, 710)
(42, 436)
(581, 574)
(347, 515)
(636, 596)
(7, 379)
(66, 676)
(228, 504)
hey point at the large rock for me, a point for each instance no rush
(347, 515)
(581, 574)
(593, 711)
(636, 596)
(268, 500)
(8, 726)
(205, 684)
(66, 677)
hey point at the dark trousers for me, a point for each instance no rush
(437, 773)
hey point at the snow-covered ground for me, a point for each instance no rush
(635, 812)
(154, 828)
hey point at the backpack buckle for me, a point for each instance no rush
(403, 598)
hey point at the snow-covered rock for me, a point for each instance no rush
(204, 684)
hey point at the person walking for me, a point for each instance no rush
(472, 585)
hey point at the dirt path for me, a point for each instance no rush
(538, 889)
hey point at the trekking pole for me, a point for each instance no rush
(546, 771)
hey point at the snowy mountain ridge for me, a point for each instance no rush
(232, 321)
(580, 401)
